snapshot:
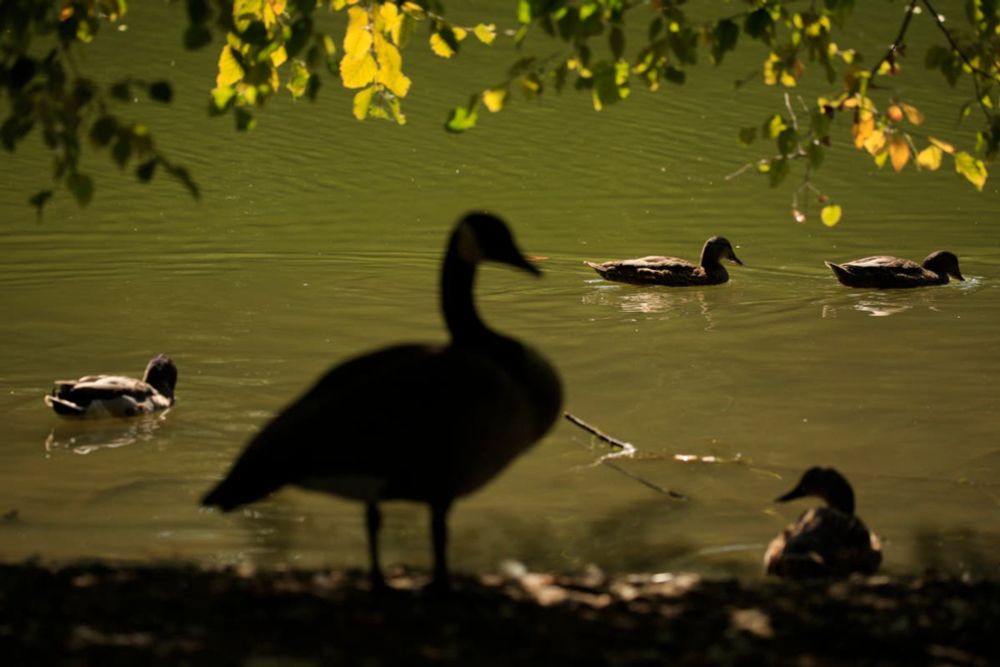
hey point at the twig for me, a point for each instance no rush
(627, 450)
(896, 43)
(954, 45)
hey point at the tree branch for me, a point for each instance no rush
(954, 45)
(896, 43)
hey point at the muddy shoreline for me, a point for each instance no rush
(117, 614)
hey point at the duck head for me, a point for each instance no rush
(943, 263)
(485, 237)
(161, 374)
(825, 483)
(718, 248)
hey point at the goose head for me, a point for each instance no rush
(943, 263)
(482, 237)
(718, 248)
(161, 374)
(824, 483)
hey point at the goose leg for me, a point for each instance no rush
(373, 521)
(439, 537)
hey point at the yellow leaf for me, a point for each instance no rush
(460, 33)
(788, 79)
(279, 56)
(229, 68)
(362, 101)
(899, 152)
(972, 169)
(830, 215)
(913, 114)
(329, 46)
(943, 145)
(485, 33)
(390, 64)
(875, 142)
(930, 158)
(863, 128)
(494, 99)
(440, 47)
(413, 7)
(358, 37)
(357, 72)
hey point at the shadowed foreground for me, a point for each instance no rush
(107, 615)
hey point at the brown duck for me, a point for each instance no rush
(421, 422)
(825, 541)
(890, 272)
(117, 395)
(672, 271)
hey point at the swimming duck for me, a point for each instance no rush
(825, 541)
(422, 422)
(656, 270)
(894, 272)
(117, 395)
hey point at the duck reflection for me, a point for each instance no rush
(87, 437)
(670, 303)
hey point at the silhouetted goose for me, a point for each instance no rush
(894, 272)
(656, 270)
(825, 541)
(428, 423)
(117, 395)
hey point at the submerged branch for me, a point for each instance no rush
(628, 450)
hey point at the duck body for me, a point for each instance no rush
(116, 395)
(672, 271)
(825, 541)
(888, 272)
(420, 422)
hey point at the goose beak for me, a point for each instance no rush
(521, 262)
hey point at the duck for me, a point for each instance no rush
(117, 395)
(429, 423)
(888, 272)
(672, 271)
(825, 541)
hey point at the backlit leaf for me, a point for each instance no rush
(440, 46)
(299, 80)
(229, 68)
(461, 119)
(972, 169)
(930, 158)
(863, 128)
(875, 142)
(494, 99)
(362, 102)
(899, 152)
(830, 215)
(913, 114)
(485, 32)
(358, 72)
(943, 145)
(358, 37)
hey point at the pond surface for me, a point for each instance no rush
(318, 237)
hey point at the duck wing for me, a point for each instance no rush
(115, 395)
(638, 269)
(410, 421)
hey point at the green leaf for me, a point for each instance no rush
(245, 120)
(815, 153)
(103, 130)
(120, 91)
(461, 119)
(161, 91)
(724, 38)
(81, 186)
(39, 199)
(616, 39)
(778, 172)
(758, 24)
(196, 36)
(788, 141)
(145, 170)
(122, 149)
(747, 135)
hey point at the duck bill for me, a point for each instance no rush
(791, 495)
(958, 276)
(736, 259)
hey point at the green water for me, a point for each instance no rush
(319, 237)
